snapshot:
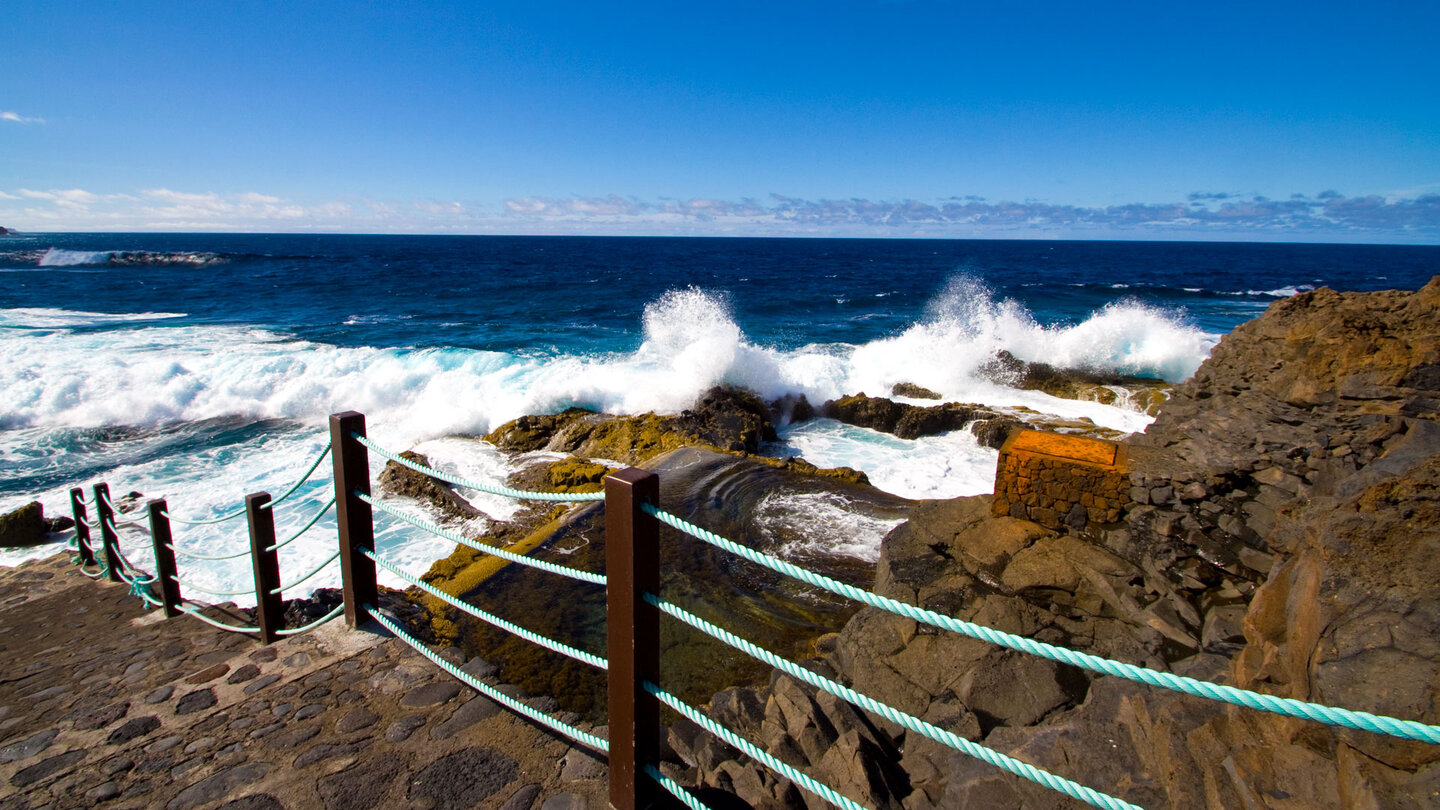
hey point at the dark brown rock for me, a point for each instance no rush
(905, 421)
(397, 479)
(905, 389)
(23, 527)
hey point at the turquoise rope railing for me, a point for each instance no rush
(295, 631)
(194, 608)
(490, 618)
(303, 479)
(753, 751)
(175, 547)
(270, 505)
(983, 753)
(210, 522)
(212, 591)
(290, 585)
(675, 788)
(1290, 707)
(313, 520)
(454, 537)
(520, 494)
(597, 743)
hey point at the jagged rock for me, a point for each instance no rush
(1141, 393)
(1285, 537)
(905, 389)
(905, 421)
(397, 479)
(725, 418)
(23, 527)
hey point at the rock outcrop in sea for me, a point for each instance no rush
(1282, 534)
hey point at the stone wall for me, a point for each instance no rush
(1061, 481)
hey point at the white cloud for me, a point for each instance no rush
(1327, 215)
(19, 119)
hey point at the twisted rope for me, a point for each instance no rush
(515, 629)
(987, 755)
(675, 788)
(1290, 707)
(598, 743)
(295, 631)
(291, 585)
(303, 479)
(564, 497)
(271, 504)
(296, 536)
(212, 521)
(193, 586)
(751, 750)
(583, 576)
(193, 609)
(212, 558)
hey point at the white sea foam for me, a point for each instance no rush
(46, 318)
(83, 370)
(150, 376)
(823, 523)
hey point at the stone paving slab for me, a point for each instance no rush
(106, 704)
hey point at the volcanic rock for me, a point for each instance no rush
(397, 479)
(1283, 536)
(23, 527)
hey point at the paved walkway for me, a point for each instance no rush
(103, 703)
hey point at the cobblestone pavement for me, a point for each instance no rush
(103, 703)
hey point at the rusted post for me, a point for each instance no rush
(164, 556)
(357, 529)
(269, 607)
(82, 528)
(632, 567)
(107, 531)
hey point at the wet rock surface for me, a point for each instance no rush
(103, 704)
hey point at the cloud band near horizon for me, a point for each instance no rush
(1328, 215)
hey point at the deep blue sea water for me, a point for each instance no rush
(202, 367)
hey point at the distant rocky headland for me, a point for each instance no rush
(1278, 529)
(7, 232)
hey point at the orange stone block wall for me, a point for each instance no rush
(1061, 481)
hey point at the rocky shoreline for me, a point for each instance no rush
(1277, 529)
(1282, 535)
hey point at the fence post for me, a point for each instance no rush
(82, 528)
(632, 567)
(111, 543)
(269, 607)
(357, 529)
(164, 556)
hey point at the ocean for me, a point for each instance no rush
(203, 367)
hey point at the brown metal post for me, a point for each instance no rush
(632, 567)
(107, 531)
(269, 607)
(82, 529)
(165, 569)
(357, 529)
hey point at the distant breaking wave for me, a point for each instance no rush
(141, 375)
(59, 257)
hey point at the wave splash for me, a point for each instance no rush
(138, 374)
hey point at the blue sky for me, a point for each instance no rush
(1286, 121)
